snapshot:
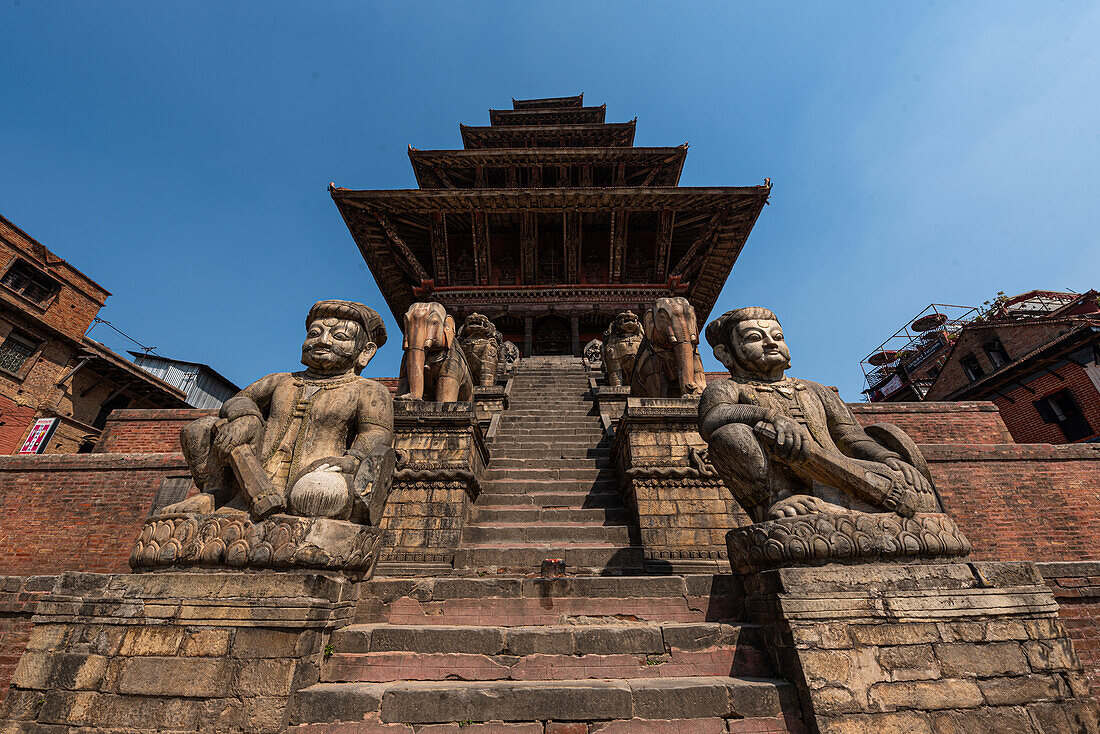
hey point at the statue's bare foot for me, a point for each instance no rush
(198, 504)
(800, 504)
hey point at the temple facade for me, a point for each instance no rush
(550, 222)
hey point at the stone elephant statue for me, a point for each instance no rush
(483, 346)
(668, 363)
(434, 366)
(621, 342)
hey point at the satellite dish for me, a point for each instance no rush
(878, 359)
(929, 322)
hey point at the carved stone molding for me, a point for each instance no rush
(846, 537)
(280, 541)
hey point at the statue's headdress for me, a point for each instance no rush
(718, 330)
(365, 316)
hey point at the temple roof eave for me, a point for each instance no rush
(652, 198)
(618, 134)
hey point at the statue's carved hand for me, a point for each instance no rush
(343, 464)
(789, 438)
(912, 477)
(236, 433)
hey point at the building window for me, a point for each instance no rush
(1062, 409)
(971, 367)
(15, 351)
(29, 282)
(996, 353)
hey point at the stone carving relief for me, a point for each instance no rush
(434, 366)
(482, 344)
(510, 353)
(310, 444)
(668, 362)
(788, 448)
(593, 350)
(621, 342)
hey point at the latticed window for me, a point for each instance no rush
(25, 280)
(14, 353)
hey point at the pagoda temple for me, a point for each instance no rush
(550, 222)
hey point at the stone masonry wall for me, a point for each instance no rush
(76, 512)
(18, 598)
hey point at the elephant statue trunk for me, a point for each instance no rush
(685, 354)
(412, 366)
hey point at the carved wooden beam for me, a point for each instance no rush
(443, 177)
(536, 177)
(571, 223)
(620, 174)
(586, 176)
(513, 177)
(664, 245)
(618, 243)
(687, 263)
(407, 256)
(481, 248)
(440, 251)
(528, 247)
(651, 175)
(479, 176)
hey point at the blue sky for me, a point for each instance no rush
(178, 153)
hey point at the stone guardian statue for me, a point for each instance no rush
(483, 346)
(434, 366)
(786, 446)
(620, 348)
(668, 363)
(315, 443)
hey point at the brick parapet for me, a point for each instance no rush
(148, 430)
(77, 511)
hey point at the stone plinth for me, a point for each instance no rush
(610, 402)
(952, 647)
(441, 457)
(489, 402)
(684, 510)
(186, 651)
(280, 541)
(844, 537)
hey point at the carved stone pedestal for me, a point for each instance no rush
(280, 541)
(489, 402)
(610, 402)
(179, 651)
(684, 510)
(922, 648)
(441, 457)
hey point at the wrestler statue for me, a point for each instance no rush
(786, 446)
(315, 443)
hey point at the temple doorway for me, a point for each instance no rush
(551, 336)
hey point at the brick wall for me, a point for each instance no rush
(146, 431)
(965, 422)
(1022, 502)
(15, 421)
(18, 597)
(1076, 586)
(1021, 417)
(76, 512)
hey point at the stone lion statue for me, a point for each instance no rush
(620, 347)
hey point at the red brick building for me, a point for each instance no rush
(57, 385)
(1034, 355)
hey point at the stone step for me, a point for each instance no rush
(489, 515)
(535, 474)
(557, 486)
(621, 638)
(384, 667)
(558, 463)
(515, 450)
(528, 557)
(428, 702)
(564, 533)
(564, 500)
(516, 601)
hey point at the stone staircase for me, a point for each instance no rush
(498, 649)
(550, 491)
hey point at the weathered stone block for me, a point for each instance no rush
(679, 699)
(163, 676)
(909, 662)
(981, 660)
(885, 723)
(265, 677)
(1023, 689)
(151, 641)
(205, 643)
(1002, 720)
(947, 693)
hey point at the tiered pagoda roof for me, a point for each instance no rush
(550, 208)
